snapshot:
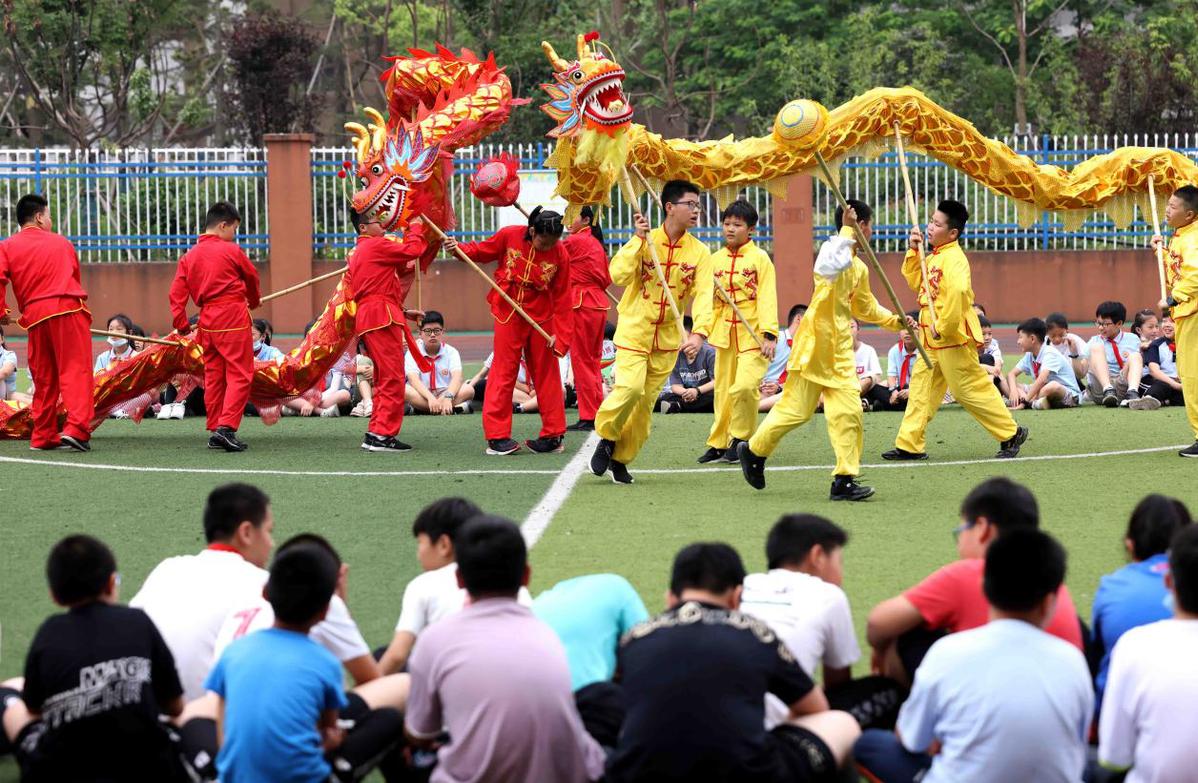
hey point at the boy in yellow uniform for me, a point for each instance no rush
(647, 334)
(821, 362)
(747, 275)
(1181, 271)
(953, 349)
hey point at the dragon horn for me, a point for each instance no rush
(558, 63)
(361, 139)
(378, 128)
(583, 49)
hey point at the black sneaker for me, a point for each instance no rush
(55, 447)
(383, 443)
(620, 474)
(546, 445)
(1010, 448)
(223, 438)
(582, 425)
(899, 455)
(665, 406)
(601, 460)
(751, 465)
(1192, 451)
(847, 488)
(501, 447)
(711, 455)
(1109, 398)
(78, 444)
(732, 454)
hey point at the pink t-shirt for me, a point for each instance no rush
(952, 599)
(496, 678)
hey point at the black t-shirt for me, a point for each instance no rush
(695, 680)
(99, 675)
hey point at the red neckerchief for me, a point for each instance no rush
(905, 369)
(219, 547)
(1115, 350)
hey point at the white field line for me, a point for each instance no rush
(555, 497)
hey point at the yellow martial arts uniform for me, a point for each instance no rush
(647, 334)
(954, 353)
(747, 274)
(1181, 273)
(821, 362)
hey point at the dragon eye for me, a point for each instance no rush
(376, 169)
(576, 76)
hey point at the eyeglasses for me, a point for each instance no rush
(1103, 324)
(688, 204)
(433, 332)
(961, 528)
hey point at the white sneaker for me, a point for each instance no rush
(120, 414)
(330, 412)
(178, 410)
(1144, 404)
(164, 412)
(464, 407)
(359, 410)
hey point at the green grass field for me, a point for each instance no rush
(143, 487)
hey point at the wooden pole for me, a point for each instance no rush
(1156, 230)
(630, 196)
(728, 298)
(873, 259)
(301, 286)
(913, 215)
(133, 337)
(517, 308)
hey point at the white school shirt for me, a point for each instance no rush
(9, 385)
(995, 351)
(337, 632)
(444, 363)
(1059, 368)
(1128, 344)
(1149, 721)
(1071, 347)
(521, 374)
(866, 359)
(188, 597)
(435, 595)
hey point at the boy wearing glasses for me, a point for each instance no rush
(381, 271)
(647, 334)
(440, 390)
(1114, 357)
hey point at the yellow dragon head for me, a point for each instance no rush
(588, 93)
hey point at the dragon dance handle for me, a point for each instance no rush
(728, 298)
(914, 217)
(1156, 230)
(630, 196)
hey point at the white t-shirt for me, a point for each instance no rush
(866, 359)
(444, 363)
(433, 596)
(521, 374)
(810, 615)
(1007, 701)
(188, 598)
(1072, 347)
(337, 633)
(1148, 720)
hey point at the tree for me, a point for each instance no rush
(270, 62)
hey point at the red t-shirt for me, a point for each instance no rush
(952, 599)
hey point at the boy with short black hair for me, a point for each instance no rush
(691, 386)
(775, 373)
(96, 679)
(1115, 361)
(218, 276)
(1181, 276)
(1069, 345)
(1053, 383)
(441, 390)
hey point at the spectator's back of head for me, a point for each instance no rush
(301, 584)
(712, 567)
(310, 539)
(1183, 569)
(1003, 503)
(793, 537)
(796, 311)
(492, 558)
(444, 517)
(1023, 567)
(79, 570)
(1154, 522)
(609, 331)
(230, 505)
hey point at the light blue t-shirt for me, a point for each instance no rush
(1134, 595)
(590, 614)
(268, 353)
(1059, 368)
(1007, 701)
(108, 358)
(8, 386)
(1128, 344)
(777, 365)
(275, 685)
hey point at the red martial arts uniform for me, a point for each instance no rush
(379, 276)
(589, 279)
(44, 270)
(539, 281)
(219, 277)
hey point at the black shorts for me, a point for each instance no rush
(914, 645)
(602, 708)
(803, 756)
(37, 766)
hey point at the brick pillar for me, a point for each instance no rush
(289, 208)
(793, 254)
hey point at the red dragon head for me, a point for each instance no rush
(587, 94)
(388, 166)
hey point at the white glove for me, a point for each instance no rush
(835, 256)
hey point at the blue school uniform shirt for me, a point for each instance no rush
(777, 365)
(1134, 595)
(1162, 351)
(268, 353)
(108, 358)
(275, 685)
(1059, 368)
(590, 614)
(1128, 344)
(9, 385)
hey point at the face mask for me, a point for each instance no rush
(257, 346)
(117, 342)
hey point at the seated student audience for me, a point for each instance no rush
(691, 386)
(1148, 722)
(1053, 383)
(334, 391)
(172, 405)
(1070, 346)
(1160, 384)
(531, 405)
(1147, 327)
(950, 600)
(136, 332)
(989, 353)
(695, 680)
(96, 679)
(900, 364)
(775, 373)
(189, 596)
(1002, 702)
(280, 693)
(869, 370)
(1115, 361)
(607, 359)
(441, 391)
(263, 334)
(364, 379)
(8, 370)
(801, 600)
(495, 677)
(522, 392)
(119, 348)
(1136, 594)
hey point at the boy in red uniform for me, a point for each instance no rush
(589, 279)
(218, 277)
(534, 270)
(44, 271)
(381, 271)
